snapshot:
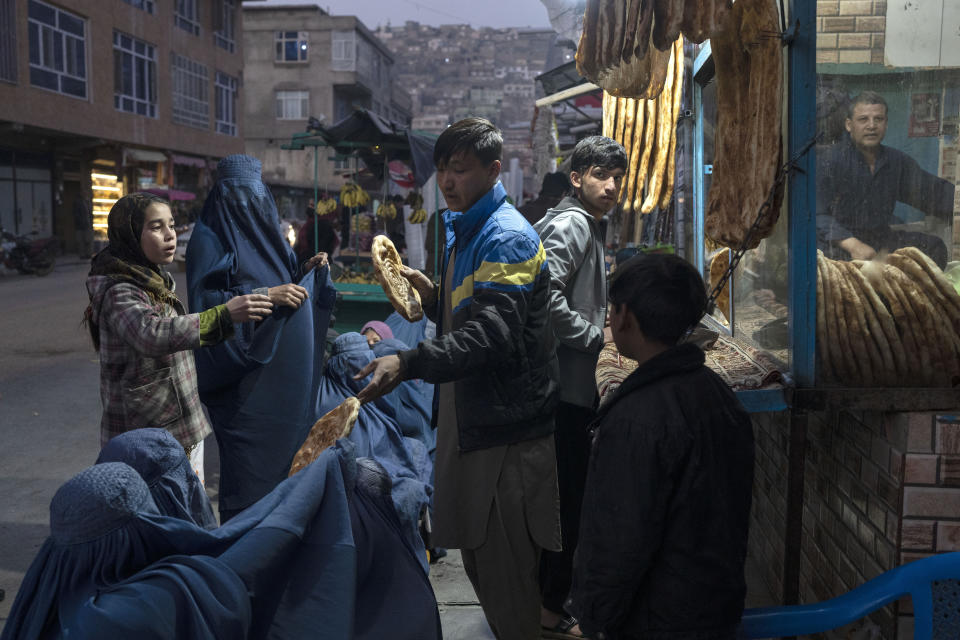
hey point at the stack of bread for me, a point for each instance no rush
(647, 129)
(891, 322)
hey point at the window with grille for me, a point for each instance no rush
(226, 104)
(8, 41)
(291, 46)
(293, 105)
(191, 103)
(134, 75)
(146, 5)
(58, 53)
(225, 36)
(186, 15)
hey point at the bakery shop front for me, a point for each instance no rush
(804, 157)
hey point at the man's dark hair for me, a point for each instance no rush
(478, 136)
(665, 293)
(598, 151)
(867, 97)
(555, 184)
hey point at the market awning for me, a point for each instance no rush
(189, 161)
(142, 155)
(171, 194)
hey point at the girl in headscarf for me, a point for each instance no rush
(260, 386)
(143, 334)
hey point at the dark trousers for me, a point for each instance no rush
(573, 454)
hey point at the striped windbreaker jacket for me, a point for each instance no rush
(500, 351)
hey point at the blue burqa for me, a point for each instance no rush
(376, 433)
(260, 387)
(412, 400)
(293, 551)
(164, 466)
(394, 597)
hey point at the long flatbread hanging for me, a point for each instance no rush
(664, 121)
(671, 170)
(748, 141)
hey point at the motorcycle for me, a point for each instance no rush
(27, 255)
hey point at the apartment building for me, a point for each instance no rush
(301, 63)
(113, 95)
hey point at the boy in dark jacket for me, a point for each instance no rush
(663, 534)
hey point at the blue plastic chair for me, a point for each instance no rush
(932, 583)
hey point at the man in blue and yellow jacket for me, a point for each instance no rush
(494, 365)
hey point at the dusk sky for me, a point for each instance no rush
(479, 13)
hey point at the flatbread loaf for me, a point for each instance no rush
(336, 424)
(718, 266)
(388, 266)
(748, 142)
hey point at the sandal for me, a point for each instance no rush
(561, 630)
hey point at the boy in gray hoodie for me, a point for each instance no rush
(573, 241)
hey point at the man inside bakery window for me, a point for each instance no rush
(859, 182)
(493, 361)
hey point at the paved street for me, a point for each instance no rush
(49, 416)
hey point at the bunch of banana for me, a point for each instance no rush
(326, 206)
(361, 224)
(351, 195)
(387, 211)
(418, 216)
(414, 199)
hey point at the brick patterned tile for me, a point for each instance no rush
(910, 556)
(917, 535)
(877, 57)
(877, 514)
(879, 40)
(829, 56)
(948, 536)
(905, 628)
(931, 502)
(856, 8)
(879, 7)
(853, 41)
(826, 41)
(858, 496)
(888, 492)
(896, 463)
(827, 8)
(893, 523)
(948, 438)
(905, 605)
(920, 433)
(880, 453)
(950, 471)
(854, 56)
(870, 25)
(920, 468)
(838, 25)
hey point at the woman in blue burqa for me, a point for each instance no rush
(260, 387)
(377, 435)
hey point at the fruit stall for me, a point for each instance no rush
(380, 153)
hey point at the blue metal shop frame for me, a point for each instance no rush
(801, 202)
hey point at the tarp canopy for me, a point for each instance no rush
(377, 139)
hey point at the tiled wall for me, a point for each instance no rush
(851, 31)
(879, 490)
(771, 435)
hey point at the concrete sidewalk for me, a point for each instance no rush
(462, 618)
